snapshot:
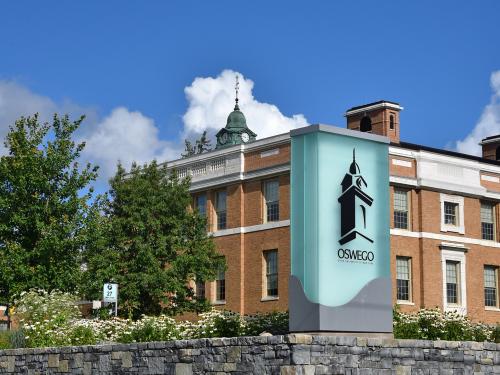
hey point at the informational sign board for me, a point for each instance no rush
(340, 255)
(110, 293)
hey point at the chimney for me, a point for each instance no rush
(380, 118)
(491, 147)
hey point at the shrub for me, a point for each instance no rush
(275, 323)
(433, 324)
(5, 339)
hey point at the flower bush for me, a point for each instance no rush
(433, 324)
(53, 319)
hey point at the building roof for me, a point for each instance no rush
(490, 139)
(374, 105)
(413, 146)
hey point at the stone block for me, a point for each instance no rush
(403, 370)
(63, 366)
(234, 354)
(183, 369)
(87, 368)
(156, 365)
(53, 360)
(299, 339)
(126, 360)
(346, 340)
(301, 357)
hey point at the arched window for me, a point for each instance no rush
(497, 153)
(366, 124)
(391, 122)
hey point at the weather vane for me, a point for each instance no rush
(237, 89)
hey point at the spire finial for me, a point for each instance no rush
(237, 89)
(354, 155)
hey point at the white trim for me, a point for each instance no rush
(459, 228)
(396, 107)
(444, 237)
(491, 308)
(252, 228)
(274, 151)
(402, 163)
(408, 181)
(492, 140)
(267, 299)
(457, 256)
(486, 177)
(406, 303)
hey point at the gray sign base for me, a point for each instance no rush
(369, 312)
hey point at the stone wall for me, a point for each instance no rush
(291, 354)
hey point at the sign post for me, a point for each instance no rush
(340, 251)
(110, 294)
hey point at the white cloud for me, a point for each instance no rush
(212, 99)
(125, 136)
(122, 135)
(488, 124)
(17, 101)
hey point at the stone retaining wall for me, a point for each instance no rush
(291, 354)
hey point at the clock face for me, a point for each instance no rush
(223, 138)
(245, 137)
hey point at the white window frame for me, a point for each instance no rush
(454, 253)
(496, 270)
(410, 281)
(460, 227)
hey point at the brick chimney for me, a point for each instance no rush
(491, 147)
(380, 118)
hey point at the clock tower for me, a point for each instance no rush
(236, 131)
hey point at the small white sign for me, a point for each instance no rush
(110, 293)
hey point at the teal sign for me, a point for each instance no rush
(340, 251)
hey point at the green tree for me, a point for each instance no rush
(156, 244)
(46, 219)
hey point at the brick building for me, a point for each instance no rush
(444, 213)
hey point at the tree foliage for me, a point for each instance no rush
(45, 218)
(155, 244)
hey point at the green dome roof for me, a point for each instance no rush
(236, 119)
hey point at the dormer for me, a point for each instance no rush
(380, 118)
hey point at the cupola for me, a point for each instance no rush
(236, 130)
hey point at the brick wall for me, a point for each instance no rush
(281, 355)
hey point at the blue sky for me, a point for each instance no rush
(128, 63)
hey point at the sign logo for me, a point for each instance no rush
(354, 203)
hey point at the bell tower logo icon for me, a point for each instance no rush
(354, 203)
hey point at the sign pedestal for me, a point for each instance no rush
(340, 279)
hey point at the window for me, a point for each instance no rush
(497, 153)
(401, 209)
(200, 204)
(220, 209)
(403, 278)
(271, 200)
(490, 286)
(366, 124)
(220, 286)
(271, 264)
(200, 289)
(487, 221)
(391, 122)
(453, 282)
(450, 213)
